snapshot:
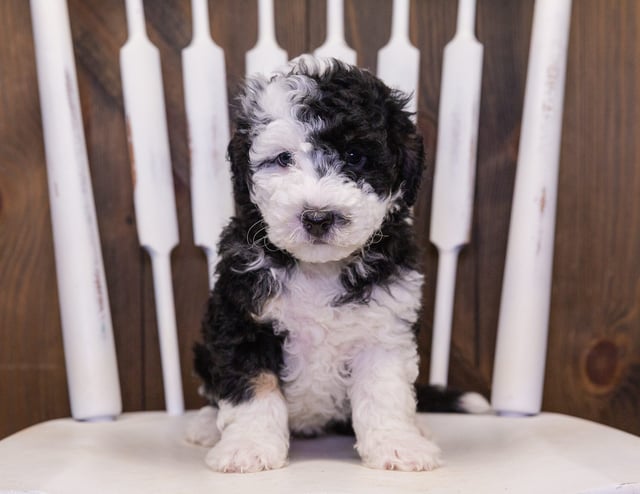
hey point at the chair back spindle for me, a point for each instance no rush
(518, 374)
(399, 61)
(154, 198)
(454, 179)
(205, 93)
(335, 44)
(266, 56)
(90, 358)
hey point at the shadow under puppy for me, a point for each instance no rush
(312, 321)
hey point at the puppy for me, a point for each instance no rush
(312, 321)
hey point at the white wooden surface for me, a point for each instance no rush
(146, 453)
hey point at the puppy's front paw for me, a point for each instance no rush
(202, 429)
(398, 450)
(244, 455)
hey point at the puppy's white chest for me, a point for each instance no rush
(322, 338)
(306, 310)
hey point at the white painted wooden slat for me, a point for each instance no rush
(90, 357)
(399, 60)
(526, 291)
(266, 56)
(205, 92)
(454, 179)
(154, 197)
(335, 45)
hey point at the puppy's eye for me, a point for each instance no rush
(355, 158)
(284, 159)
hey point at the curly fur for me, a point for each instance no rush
(311, 322)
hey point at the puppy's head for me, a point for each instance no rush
(324, 151)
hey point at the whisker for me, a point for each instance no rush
(258, 234)
(375, 238)
(262, 226)
(266, 244)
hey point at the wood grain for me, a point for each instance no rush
(593, 369)
(32, 373)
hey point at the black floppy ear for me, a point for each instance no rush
(411, 159)
(238, 155)
(406, 144)
(247, 103)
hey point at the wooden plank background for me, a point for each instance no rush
(593, 367)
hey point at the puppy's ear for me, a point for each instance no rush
(238, 154)
(411, 159)
(406, 144)
(247, 115)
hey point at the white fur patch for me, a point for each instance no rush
(474, 403)
(276, 137)
(283, 194)
(311, 65)
(391, 449)
(384, 417)
(255, 435)
(324, 341)
(202, 429)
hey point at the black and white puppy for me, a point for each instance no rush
(312, 320)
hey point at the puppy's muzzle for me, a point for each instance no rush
(317, 222)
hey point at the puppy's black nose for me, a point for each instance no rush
(316, 222)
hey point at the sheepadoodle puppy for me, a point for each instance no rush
(311, 324)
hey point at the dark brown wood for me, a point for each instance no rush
(593, 368)
(32, 374)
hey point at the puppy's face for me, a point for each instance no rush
(324, 152)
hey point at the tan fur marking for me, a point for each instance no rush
(264, 384)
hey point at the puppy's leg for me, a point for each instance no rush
(384, 412)
(202, 429)
(255, 433)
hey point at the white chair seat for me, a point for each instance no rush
(145, 452)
